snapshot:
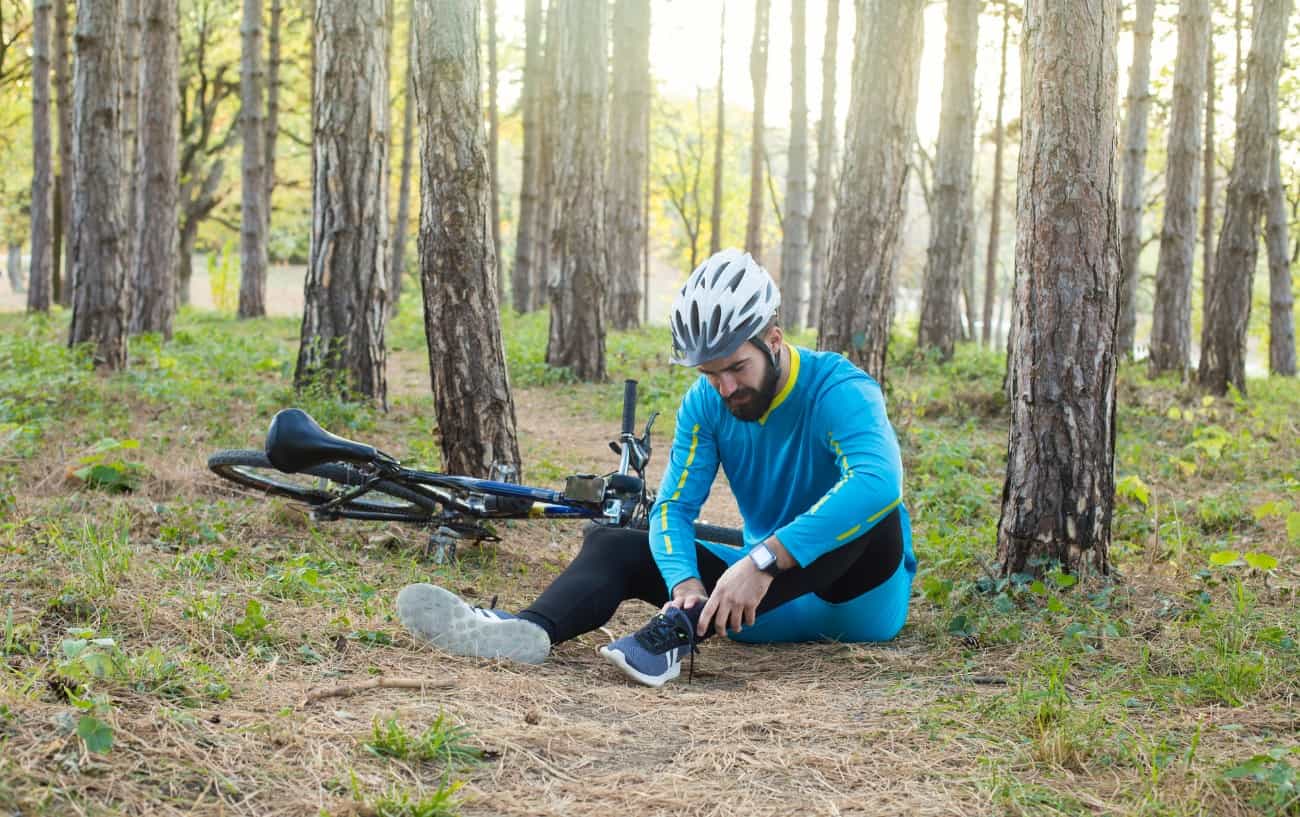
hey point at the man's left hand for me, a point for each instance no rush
(734, 601)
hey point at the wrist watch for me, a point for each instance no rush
(764, 559)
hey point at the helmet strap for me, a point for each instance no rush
(767, 350)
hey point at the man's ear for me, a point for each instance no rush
(776, 335)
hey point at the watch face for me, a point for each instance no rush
(763, 557)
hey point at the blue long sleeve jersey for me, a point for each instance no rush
(817, 470)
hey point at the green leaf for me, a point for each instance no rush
(1223, 558)
(1037, 588)
(1132, 487)
(1174, 413)
(1261, 561)
(97, 734)
(1293, 527)
(1055, 605)
(1064, 580)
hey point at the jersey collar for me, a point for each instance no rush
(787, 388)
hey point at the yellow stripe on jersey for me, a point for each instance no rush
(789, 385)
(681, 482)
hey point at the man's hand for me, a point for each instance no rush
(735, 598)
(687, 594)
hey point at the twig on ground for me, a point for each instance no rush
(380, 682)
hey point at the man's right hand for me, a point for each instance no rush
(687, 595)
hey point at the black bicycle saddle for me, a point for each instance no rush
(296, 442)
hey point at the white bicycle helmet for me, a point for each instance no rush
(726, 301)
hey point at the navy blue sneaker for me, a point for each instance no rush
(441, 618)
(653, 655)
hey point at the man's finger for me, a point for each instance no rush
(720, 620)
(750, 614)
(709, 607)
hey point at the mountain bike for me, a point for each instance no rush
(338, 478)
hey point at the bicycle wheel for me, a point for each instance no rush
(386, 500)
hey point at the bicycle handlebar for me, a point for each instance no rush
(629, 406)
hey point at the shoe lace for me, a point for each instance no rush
(668, 630)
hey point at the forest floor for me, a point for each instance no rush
(163, 648)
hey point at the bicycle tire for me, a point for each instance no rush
(319, 484)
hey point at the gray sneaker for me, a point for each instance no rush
(442, 619)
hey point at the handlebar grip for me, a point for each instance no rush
(722, 536)
(629, 406)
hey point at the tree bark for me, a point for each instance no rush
(951, 216)
(719, 142)
(471, 389)
(130, 44)
(272, 101)
(820, 223)
(398, 264)
(1281, 318)
(758, 78)
(1207, 180)
(16, 267)
(528, 236)
(157, 241)
(1135, 160)
(253, 221)
(858, 306)
(577, 284)
(794, 242)
(63, 90)
(548, 183)
(995, 204)
(98, 224)
(629, 114)
(1223, 335)
(40, 280)
(494, 138)
(1059, 491)
(346, 293)
(1172, 318)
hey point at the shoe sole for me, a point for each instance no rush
(618, 659)
(440, 618)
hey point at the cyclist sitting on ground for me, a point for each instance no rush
(815, 469)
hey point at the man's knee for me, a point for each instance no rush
(618, 545)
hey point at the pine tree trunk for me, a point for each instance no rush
(130, 120)
(42, 248)
(471, 389)
(1207, 181)
(98, 224)
(719, 143)
(252, 124)
(758, 78)
(548, 184)
(157, 241)
(494, 139)
(16, 267)
(577, 286)
(1135, 160)
(67, 171)
(629, 114)
(1172, 318)
(869, 217)
(995, 204)
(951, 216)
(398, 265)
(794, 242)
(272, 101)
(346, 293)
(1281, 319)
(820, 223)
(1059, 491)
(1223, 335)
(528, 236)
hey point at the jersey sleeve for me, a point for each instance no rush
(692, 466)
(851, 421)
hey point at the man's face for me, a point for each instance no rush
(746, 380)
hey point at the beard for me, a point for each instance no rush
(746, 404)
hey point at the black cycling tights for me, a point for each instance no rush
(615, 564)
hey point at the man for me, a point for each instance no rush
(814, 465)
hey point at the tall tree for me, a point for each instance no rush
(719, 142)
(346, 293)
(551, 136)
(130, 45)
(995, 204)
(1207, 180)
(794, 242)
(98, 226)
(156, 256)
(625, 220)
(1281, 318)
(524, 275)
(1172, 319)
(577, 283)
(272, 99)
(1223, 334)
(458, 264)
(951, 214)
(40, 279)
(398, 264)
(820, 223)
(1135, 162)
(494, 139)
(63, 93)
(252, 214)
(758, 78)
(858, 305)
(1059, 491)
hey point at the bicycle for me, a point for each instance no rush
(339, 478)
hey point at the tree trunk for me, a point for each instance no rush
(548, 183)
(1281, 319)
(471, 389)
(995, 205)
(794, 242)
(130, 120)
(1207, 180)
(858, 306)
(951, 216)
(494, 139)
(398, 264)
(189, 234)
(346, 293)
(1135, 161)
(16, 267)
(629, 114)
(63, 90)
(577, 285)
(529, 236)
(719, 142)
(157, 241)
(1059, 491)
(272, 101)
(42, 254)
(98, 224)
(820, 223)
(1172, 318)
(758, 77)
(1223, 335)
(253, 221)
